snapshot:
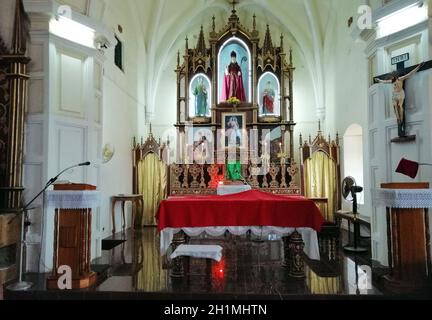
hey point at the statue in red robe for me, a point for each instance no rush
(269, 99)
(233, 81)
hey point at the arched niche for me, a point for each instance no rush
(353, 162)
(244, 59)
(269, 95)
(200, 96)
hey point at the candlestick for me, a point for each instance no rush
(187, 154)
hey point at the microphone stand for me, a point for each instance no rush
(25, 285)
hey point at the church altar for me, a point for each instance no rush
(261, 213)
(234, 112)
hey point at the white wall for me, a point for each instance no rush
(123, 108)
(79, 101)
(382, 155)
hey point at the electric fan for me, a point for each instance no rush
(349, 193)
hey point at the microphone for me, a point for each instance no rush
(84, 164)
(49, 183)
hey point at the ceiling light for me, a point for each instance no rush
(402, 19)
(73, 31)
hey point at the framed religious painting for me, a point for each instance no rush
(200, 97)
(269, 98)
(234, 130)
(201, 144)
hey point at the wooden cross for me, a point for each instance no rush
(234, 3)
(400, 73)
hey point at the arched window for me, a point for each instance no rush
(353, 156)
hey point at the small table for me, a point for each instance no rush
(136, 199)
(349, 216)
(208, 252)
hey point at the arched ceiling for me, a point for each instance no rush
(164, 25)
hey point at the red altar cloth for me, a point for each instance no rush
(250, 208)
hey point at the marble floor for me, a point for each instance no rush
(132, 268)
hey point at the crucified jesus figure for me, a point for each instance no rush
(399, 96)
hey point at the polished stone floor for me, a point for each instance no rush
(248, 267)
(131, 267)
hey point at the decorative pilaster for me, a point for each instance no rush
(13, 105)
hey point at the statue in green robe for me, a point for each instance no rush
(234, 171)
(201, 98)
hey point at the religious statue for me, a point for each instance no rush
(233, 171)
(201, 98)
(201, 149)
(233, 80)
(398, 97)
(268, 99)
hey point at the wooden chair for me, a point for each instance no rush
(139, 153)
(329, 235)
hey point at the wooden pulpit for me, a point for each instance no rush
(408, 235)
(73, 205)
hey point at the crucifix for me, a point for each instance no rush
(234, 3)
(397, 79)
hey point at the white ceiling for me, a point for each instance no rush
(164, 24)
(160, 27)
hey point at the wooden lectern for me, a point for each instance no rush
(408, 244)
(72, 242)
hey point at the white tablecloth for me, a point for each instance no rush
(232, 189)
(72, 199)
(198, 251)
(403, 198)
(310, 237)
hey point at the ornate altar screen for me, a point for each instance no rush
(234, 112)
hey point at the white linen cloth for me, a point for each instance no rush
(72, 199)
(402, 198)
(310, 237)
(199, 251)
(233, 189)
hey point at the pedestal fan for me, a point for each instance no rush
(349, 193)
